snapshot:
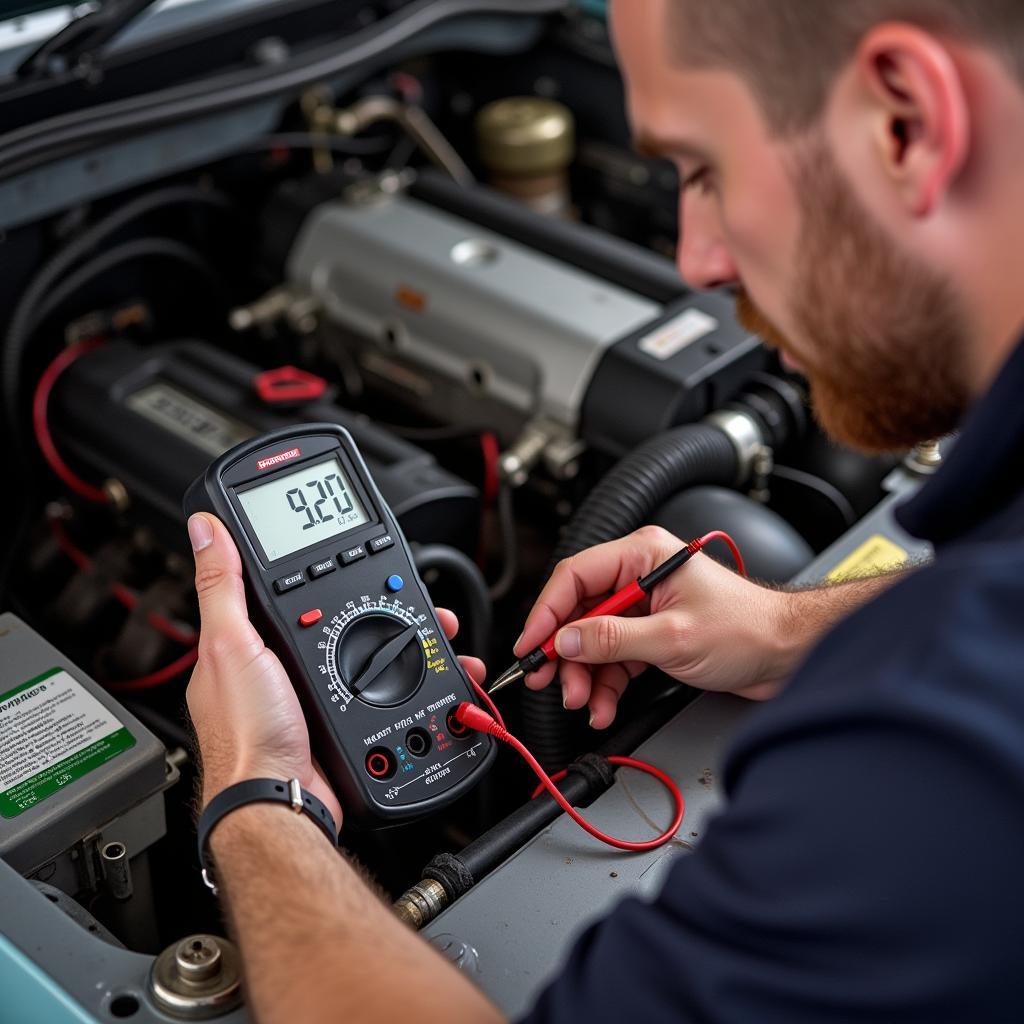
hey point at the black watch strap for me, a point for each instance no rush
(259, 791)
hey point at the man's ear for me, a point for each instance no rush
(918, 111)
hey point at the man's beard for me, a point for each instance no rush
(884, 339)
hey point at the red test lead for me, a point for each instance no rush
(630, 595)
(476, 718)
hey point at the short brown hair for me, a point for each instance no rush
(789, 51)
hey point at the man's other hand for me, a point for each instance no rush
(704, 625)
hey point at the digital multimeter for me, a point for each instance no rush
(333, 590)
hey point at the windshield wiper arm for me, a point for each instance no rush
(75, 44)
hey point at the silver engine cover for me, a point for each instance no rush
(497, 319)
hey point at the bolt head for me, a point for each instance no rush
(198, 958)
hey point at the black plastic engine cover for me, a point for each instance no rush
(686, 366)
(155, 417)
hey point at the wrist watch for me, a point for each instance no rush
(259, 791)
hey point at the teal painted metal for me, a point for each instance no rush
(31, 995)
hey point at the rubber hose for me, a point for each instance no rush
(126, 252)
(623, 501)
(464, 572)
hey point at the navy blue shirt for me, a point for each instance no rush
(869, 865)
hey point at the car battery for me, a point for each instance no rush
(77, 770)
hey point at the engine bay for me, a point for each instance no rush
(445, 245)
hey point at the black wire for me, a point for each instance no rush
(828, 491)
(462, 570)
(25, 148)
(507, 522)
(402, 152)
(451, 433)
(58, 151)
(18, 331)
(371, 146)
(136, 249)
(140, 248)
(28, 313)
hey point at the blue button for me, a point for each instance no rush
(395, 583)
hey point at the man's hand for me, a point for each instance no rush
(299, 910)
(245, 712)
(244, 709)
(704, 625)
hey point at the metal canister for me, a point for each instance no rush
(527, 144)
(198, 978)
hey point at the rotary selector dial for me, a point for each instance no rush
(377, 651)
(381, 659)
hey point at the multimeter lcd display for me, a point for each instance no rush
(302, 508)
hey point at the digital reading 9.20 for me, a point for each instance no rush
(302, 508)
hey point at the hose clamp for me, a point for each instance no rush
(747, 438)
(419, 905)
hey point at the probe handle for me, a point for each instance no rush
(620, 601)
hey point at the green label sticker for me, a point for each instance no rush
(52, 731)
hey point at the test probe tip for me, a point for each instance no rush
(509, 676)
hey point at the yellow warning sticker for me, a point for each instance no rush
(875, 555)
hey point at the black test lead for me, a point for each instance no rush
(622, 600)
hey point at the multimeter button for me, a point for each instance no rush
(353, 554)
(311, 618)
(322, 568)
(395, 583)
(289, 582)
(380, 543)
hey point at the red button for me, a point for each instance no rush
(311, 618)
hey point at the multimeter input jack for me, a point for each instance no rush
(417, 742)
(455, 727)
(380, 763)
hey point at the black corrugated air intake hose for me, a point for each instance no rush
(625, 499)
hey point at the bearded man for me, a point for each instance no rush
(854, 168)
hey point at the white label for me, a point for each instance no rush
(52, 731)
(689, 326)
(205, 427)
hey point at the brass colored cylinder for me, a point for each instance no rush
(527, 144)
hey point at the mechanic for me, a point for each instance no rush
(855, 169)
